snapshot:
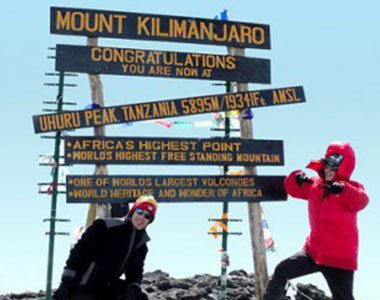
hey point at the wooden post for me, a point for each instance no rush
(254, 209)
(96, 211)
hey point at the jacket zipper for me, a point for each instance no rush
(133, 236)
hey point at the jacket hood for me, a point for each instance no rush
(346, 168)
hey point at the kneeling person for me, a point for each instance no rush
(108, 249)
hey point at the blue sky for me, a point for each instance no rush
(331, 48)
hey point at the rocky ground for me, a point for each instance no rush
(160, 286)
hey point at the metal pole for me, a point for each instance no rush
(223, 278)
(54, 194)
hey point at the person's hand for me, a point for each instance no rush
(63, 291)
(301, 178)
(335, 188)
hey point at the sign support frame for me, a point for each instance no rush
(54, 193)
(254, 209)
(223, 275)
(96, 88)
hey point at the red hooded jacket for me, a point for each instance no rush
(333, 240)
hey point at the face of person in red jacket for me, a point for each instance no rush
(331, 165)
(329, 173)
(141, 218)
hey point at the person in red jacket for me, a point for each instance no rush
(333, 203)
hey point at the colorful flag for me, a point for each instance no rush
(165, 123)
(268, 240)
(223, 15)
(180, 124)
(219, 227)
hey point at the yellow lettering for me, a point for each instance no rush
(151, 58)
(223, 37)
(129, 145)
(77, 26)
(120, 19)
(96, 54)
(139, 56)
(104, 23)
(245, 32)
(62, 22)
(206, 30)
(186, 72)
(258, 35)
(95, 25)
(180, 30)
(141, 25)
(292, 96)
(159, 32)
(231, 63)
(234, 35)
(193, 31)
(280, 96)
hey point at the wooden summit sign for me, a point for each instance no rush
(157, 63)
(167, 108)
(136, 26)
(114, 189)
(175, 151)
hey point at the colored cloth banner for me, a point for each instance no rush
(219, 227)
(268, 240)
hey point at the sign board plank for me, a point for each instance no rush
(173, 151)
(116, 189)
(157, 63)
(137, 26)
(167, 109)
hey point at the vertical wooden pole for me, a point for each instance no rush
(97, 210)
(254, 209)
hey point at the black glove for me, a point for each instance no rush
(63, 292)
(301, 178)
(335, 188)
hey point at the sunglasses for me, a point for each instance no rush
(333, 161)
(147, 215)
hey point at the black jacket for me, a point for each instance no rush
(107, 249)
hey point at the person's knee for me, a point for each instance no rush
(281, 271)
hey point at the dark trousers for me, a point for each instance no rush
(115, 291)
(126, 296)
(340, 281)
